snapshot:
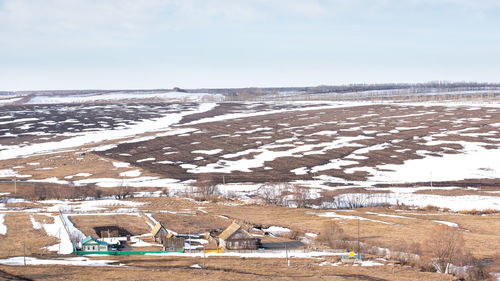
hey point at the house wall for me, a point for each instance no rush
(161, 233)
(173, 244)
(239, 240)
(91, 248)
(241, 244)
(94, 248)
(222, 243)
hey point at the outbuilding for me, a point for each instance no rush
(172, 243)
(159, 232)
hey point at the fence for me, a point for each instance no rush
(120, 253)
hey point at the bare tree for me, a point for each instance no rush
(300, 195)
(123, 192)
(274, 193)
(444, 245)
(165, 191)
(206, 187)
(333, 235)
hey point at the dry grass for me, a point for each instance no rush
(20, 230)
(456, 192)
(65, 164)
(197, 223)
(480, 232)
(164, 268)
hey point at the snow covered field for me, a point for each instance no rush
(326, 146)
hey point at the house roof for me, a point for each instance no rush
(232, 229)
(158, 226)
(92, 240)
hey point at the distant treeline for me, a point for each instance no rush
(416, 87)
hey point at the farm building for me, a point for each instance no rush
(171, 243)
(90, 244)
(236, 238)
(159, 231)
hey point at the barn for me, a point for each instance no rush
(172, 243)
(159, 231)
(236, 238)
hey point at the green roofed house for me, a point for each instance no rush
(90, 244)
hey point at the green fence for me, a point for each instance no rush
(117, 253)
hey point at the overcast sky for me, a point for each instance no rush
(131, 44)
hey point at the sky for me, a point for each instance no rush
(151, 44)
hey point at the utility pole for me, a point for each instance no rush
(24, 253)
(204, 256)
(286, 255)
(15, 185)
(358, 237)
(223, 179)
(60, 242)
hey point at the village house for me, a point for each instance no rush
(236, 238)
(90, 244)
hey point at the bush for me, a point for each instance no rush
(334, 236)
(444, 246)
(431, 208)
(205, 188)
(478, 212)
(275, 193)
(44, 191)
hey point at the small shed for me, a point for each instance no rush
(109, 233)
(236, 238)
(172, 243)
(159, 231)
(90, 244)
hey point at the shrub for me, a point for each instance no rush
(334, 236)
(444, 244)
(478, 212)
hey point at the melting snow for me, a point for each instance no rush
(452, 224)
(77, 261)
(57, 230)
(133, 173)
(98, 136)
(121, 164)
(347, 217)
(3, 227)
(208, 152)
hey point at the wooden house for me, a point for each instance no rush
(172, 243)
(236, 238)
(90, 244)
(159, 231)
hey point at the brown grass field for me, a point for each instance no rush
(151, 268)
(191, 223)
(20, 230)
(479, 231)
